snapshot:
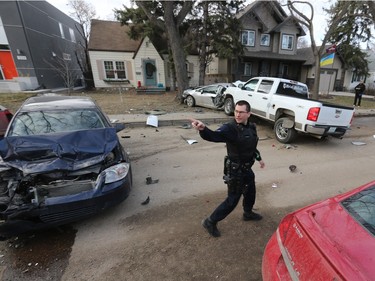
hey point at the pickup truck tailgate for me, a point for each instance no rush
(335, 115)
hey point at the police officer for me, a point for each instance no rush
(241, 141)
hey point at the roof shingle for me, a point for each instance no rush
(111, 36)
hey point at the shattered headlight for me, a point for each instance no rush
(115, 173)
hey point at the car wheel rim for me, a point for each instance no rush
(228, 105)
(282, 133)
(190, 101)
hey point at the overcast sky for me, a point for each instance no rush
(104, 11)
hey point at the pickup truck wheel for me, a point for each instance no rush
(190, 101)
(282, 134)
(229, 106)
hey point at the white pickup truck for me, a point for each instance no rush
(287, 104)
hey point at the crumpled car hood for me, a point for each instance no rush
(63, 151)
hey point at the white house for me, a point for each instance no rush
(118, 61)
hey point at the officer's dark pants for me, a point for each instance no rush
(234, 196)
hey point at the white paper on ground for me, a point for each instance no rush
(191, 141)
(358, 143)
(152, 120)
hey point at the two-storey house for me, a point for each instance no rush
(269, 38)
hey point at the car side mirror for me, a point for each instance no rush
(118, 126)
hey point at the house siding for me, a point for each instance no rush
(193, 70)
(148, 51)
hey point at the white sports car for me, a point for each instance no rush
(210, 96)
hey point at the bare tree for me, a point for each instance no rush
(64, 68)
(84, 12)
(307, 21)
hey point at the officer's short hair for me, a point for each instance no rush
(243, 102)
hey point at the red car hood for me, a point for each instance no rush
(329, 238)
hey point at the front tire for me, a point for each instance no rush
(282, 134)
(229, 106)
(190, 101)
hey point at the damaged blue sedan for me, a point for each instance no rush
(61, 161)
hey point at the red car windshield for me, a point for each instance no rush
(362, 207)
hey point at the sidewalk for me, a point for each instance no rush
(172, 119)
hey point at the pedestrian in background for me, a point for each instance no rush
(241, 141)
(359, 91)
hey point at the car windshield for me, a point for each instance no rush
(362, 207)
(48, 122)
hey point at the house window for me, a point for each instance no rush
(114, 70)
(72, 36)
(265, 39)
(61, 30)
(248, 38)
(247, 69)
(287, 42)
(120, 70)
(356, 77)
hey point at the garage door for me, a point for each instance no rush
(327, 80)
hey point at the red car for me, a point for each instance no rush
(5, 117)
(330, 240)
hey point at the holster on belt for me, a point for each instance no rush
(234, 174)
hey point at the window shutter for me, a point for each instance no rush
(100, 66)
(129, 70)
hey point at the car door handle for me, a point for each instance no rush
(250, 95)
(265, 98)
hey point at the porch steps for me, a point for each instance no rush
(150, 90)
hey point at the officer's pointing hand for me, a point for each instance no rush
(199, 125)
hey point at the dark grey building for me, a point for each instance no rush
(39, 47)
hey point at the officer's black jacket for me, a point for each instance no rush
(241, 140)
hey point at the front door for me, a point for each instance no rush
(149, 72)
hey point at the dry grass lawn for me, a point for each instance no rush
(129, 102)
(112, 102)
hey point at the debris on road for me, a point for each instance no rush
(292, 168)
(289, 146)
(149, 180)
(156, 112)
(146, 201)
(189, 141)
(186, 126)
(358, 143)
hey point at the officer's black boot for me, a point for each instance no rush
(251, 216)
(211, 228)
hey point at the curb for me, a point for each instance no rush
(181, 122)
